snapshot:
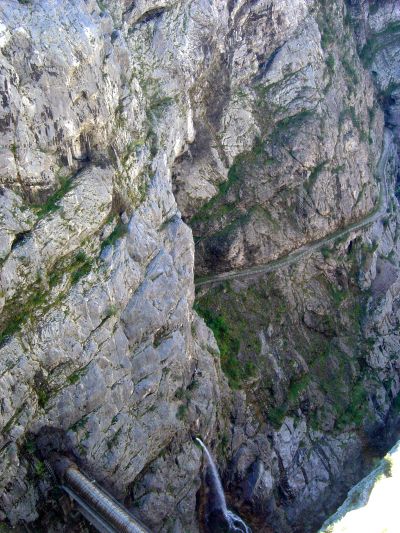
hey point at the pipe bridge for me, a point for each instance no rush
(105, 513)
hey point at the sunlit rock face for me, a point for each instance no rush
(98, 334)
(286, 148)
(371, 505)
(259, 124)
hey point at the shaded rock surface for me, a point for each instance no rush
(369, 505)
(314, 346)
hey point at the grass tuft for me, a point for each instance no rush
(52, 202)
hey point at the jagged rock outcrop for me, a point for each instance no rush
(98, 336)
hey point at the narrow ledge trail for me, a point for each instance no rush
(308, 249)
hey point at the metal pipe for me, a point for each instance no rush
(96, 505)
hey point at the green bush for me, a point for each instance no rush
(326, 252)
(73, 378)
(276, 415)
(81, 266)
(182, 412)
(40, 468)
(19, 313)
(296, 387)
(356, 407)
(43, 397)
(350, 70)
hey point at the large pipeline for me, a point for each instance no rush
(105, 513)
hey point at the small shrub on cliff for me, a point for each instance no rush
(330, 63)
(73, 378)
(326, 252)
(81, 266)
(43, 397)
(276, 415)
(19, 313)
(119, 231)
(182, 412)
(228, 344)
(52, 202)
(356, 408)
(40, 468)
(297, 387)
(387, 466)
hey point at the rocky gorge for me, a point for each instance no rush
(150, 144)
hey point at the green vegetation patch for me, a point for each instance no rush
(19, 313)
(316, 171)
(52, 202)
(335, 382)
(356, 408)
(37, 298)
(238, 343)
(182, 412)
(43, 397)
(290, 123)
(118, 232)
(326, 24)
(377, 42)
(276, 415)
(296, 387)
(80, 267)
(75, 377)
(330, 63)
(228, 344)
(219, 205)
(75, 266)
(158, 106)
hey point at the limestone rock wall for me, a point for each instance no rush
(259, 123)
(292, 131)
(98, 336)
(312, 347)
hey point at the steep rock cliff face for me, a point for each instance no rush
(259, 122)
(313, 346)
(98, 336)
(297, 110)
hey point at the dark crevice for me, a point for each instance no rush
(264, 66)
(151, 15)
(20, 238)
